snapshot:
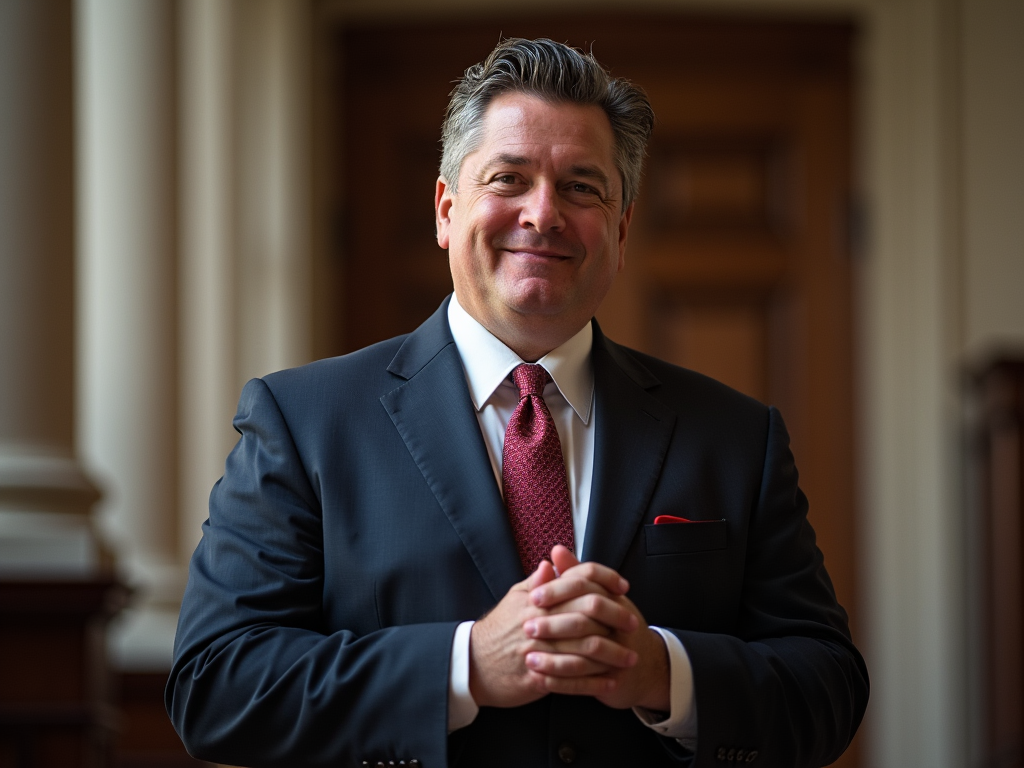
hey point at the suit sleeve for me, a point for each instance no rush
(788, 685)
(255, 679)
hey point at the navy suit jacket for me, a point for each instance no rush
(358, 522)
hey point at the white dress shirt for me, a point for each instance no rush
(488, 365)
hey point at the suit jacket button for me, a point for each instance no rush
(567, 754)
(751, 755)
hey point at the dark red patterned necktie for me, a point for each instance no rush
(533, 473)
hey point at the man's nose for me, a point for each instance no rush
(541, 209)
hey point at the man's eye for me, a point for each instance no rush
(579, 186)
(505, 178)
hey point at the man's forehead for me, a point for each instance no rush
(519, 129)
(543, 119)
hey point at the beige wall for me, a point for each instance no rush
(993, 174)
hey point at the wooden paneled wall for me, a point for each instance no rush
(145, 736)
(61, 704)
(56, 709)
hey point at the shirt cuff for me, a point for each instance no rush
(462, 710)
(681, 723)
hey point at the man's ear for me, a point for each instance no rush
(442, 211)
(627, 216)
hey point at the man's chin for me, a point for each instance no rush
(537, 307)
(536, 296)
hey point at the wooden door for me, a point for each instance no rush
(737, 262)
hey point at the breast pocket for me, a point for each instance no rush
(681, 573)
(684, 538)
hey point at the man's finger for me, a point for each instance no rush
(601, 609)
(565, 588)
(564, 665)
(600, 650)
(544, 573)
(564, 561)
(563, 558)
(563, 626)
(579, 580)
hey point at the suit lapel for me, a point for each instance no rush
(633, 434)
(434, 415)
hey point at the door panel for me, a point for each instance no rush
(724, 339)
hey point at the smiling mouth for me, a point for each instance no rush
(532, 246)
(542, 249)
(538, 254)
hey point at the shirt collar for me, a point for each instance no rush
(488, 362)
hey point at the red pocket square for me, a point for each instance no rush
(669, 519)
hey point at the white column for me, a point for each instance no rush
(209, 385)
(44, 496)
(913, 560)
(127, 303)
(275, 297)
(245, 271)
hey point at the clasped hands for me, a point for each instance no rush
(568, 628)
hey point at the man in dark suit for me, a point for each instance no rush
(503, 539)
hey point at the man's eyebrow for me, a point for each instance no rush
(594, 173)
(590, 172)
(506, 159)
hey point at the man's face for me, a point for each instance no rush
(536, 232)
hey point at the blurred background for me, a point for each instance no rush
(196, 192)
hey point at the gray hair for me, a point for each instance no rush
(557, 73)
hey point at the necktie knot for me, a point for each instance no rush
(531, 379)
